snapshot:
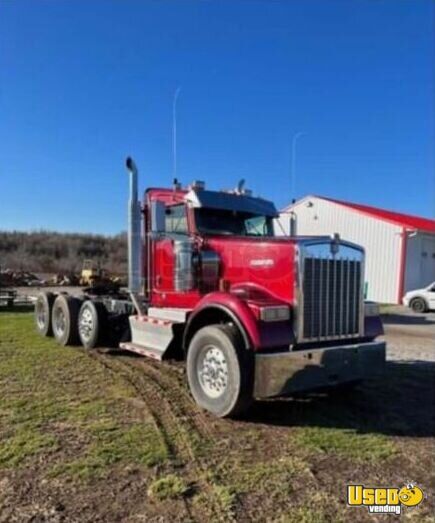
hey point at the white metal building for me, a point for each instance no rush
(400, 249)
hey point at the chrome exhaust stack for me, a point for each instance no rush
(134, 233)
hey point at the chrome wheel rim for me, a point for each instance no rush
(86, 324)
(59, 322)
(41, 315)
(213, 372)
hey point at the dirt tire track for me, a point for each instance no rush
(159, 421)
(172, 418)
(169, 382)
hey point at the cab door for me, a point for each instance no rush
(175, 225)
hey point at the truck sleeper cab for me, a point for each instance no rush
(253, 315)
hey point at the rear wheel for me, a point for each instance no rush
(220, 371)
(418, 305)
(92, 324)
(43, 307)
(64, 319)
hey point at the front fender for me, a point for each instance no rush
(257, 334)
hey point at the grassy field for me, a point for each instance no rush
(93, 436)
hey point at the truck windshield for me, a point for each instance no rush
(232, 223)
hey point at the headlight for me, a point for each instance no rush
(371, 309)
(277, 313)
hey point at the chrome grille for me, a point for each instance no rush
(331, 298)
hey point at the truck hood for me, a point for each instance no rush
(262, 269)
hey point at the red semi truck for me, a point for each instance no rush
(254, 315)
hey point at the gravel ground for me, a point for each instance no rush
(409, 336)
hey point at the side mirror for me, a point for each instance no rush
(157, 217)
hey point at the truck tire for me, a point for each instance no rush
(64, 319)
(418, 305)
(220, 371)
(43, 307)
(92, 324)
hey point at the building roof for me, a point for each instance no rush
(405, 220)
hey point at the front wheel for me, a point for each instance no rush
(220, 371)
(418, 305)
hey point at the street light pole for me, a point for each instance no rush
(174, 131)
(293, 162)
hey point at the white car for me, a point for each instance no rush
(421, 300)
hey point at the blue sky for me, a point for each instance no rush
(84, 83)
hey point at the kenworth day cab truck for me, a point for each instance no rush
(253, 315)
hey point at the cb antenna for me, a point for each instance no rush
(174, 132)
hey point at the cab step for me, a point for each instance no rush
(150, 336)
(143, 351)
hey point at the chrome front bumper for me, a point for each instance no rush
(302, 370)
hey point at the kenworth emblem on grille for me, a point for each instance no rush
(335, 244)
